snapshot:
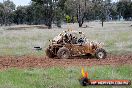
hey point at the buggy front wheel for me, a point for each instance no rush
(63, 53)
(100, 54)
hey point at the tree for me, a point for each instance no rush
(124, 9)
(48, 4)
(29, 14)
(53, 10)
(9, 7)
(39, 14)
(113, 11)
(20, 14)
(77, 8)
(1, 13)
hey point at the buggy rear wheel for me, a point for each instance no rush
(63, 53)
(49, 53)
(100, 54)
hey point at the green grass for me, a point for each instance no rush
(117, 39)
(116, 36)
(58, 77)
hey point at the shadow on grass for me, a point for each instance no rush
(88, 56)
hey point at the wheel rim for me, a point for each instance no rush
(100, 54)
(64, 54)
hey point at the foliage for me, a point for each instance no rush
(10, 5)
(6, 12)
(68, 19)
(124, 9)
(55, 11)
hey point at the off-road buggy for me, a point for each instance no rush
(74, 43)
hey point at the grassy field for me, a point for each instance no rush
(58, 77)
(116, 36)
(117, 39)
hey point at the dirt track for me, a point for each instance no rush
(30, 61)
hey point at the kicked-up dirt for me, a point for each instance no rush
(33, 62)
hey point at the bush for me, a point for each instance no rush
(68, 19)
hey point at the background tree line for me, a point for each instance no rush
(57, 11)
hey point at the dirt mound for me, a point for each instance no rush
(31, 62)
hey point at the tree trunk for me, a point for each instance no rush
(50, 17)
